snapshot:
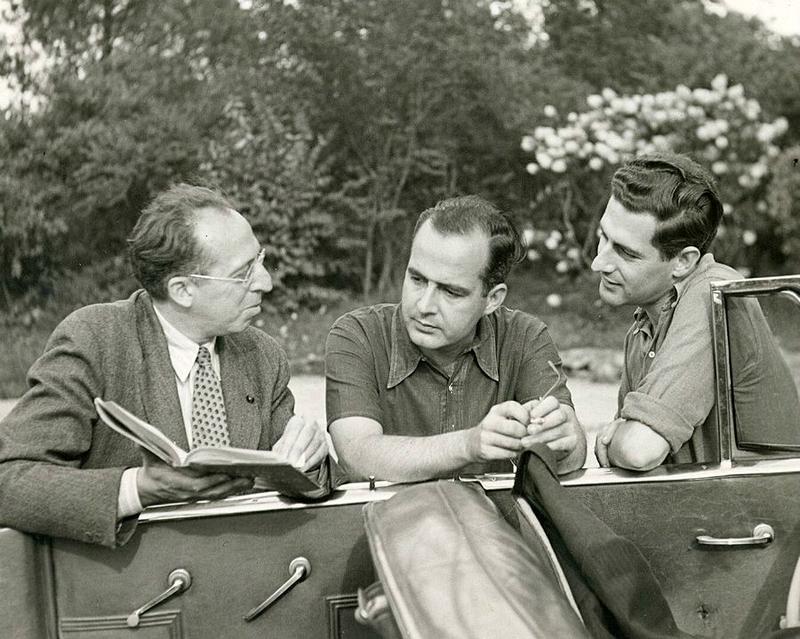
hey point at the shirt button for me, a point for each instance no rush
(450, 388)
(651, 354)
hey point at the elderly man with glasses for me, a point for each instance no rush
(179, 353)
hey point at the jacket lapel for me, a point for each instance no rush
(240, 392)
(157, 380)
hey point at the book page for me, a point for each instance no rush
(140, 432)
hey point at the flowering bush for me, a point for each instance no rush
(572, 159)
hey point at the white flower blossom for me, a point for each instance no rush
(528, 143)
(550, 111)
(528, 236)
(595, 164)
(727, 208)
(533, 255)
(543, 159)
(720, 82)
(594, 101)
(559, 166)
(562, 266)
(574, 253)
(744, 181)
(532, 168)
(721, 142)
(749, 237)
(553, 300)
(719, 167)
(736, 91)
(758, 171)
(608, 94)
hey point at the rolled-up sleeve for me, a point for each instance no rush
(677, 392)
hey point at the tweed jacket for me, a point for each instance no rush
(60, 466)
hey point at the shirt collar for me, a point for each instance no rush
(182, 350)
(405, 355)
(678, 289)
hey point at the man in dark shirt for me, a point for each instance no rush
(448, 381)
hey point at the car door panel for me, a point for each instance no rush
(716, 591)
(235, 562)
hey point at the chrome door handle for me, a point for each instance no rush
(178, 581)
(299, 569)
(762, 535)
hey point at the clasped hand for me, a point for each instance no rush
(510, 428)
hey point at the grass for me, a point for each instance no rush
(579, 321)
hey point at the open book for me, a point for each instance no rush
(271, 470)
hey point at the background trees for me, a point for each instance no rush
(333, 124)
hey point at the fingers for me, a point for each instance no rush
(159, 483)
(510, 410)
(316, 450)
(290, 434)
(603, 441)
(303, 444)
(499, 434)
(542, 408)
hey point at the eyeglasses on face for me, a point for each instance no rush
(246, 280)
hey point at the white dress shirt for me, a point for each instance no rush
(183, 355)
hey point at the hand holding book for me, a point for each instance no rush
(272, 469)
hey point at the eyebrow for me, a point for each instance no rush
(245, 265)
(624, 247)
(453, 287)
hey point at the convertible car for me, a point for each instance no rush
(722, 536)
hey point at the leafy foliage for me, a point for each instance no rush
(334, 124)
(719, 126)
(272, 167)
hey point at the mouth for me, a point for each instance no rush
(608, 283)
(423, 326)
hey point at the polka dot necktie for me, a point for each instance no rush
(209, 422)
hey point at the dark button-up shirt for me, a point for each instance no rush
(374, 370)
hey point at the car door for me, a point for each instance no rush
(723, 536)
(232, 554)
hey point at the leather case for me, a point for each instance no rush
(452, 566)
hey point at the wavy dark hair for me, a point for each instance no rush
(462, 215)
(163, 243)
(680, 193)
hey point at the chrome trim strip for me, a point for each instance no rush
(757, 285)
(719, 325)
(359, 493)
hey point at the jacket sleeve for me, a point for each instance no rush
(47, 437)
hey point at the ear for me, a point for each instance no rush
(685, 261)
(181, 291)
(495, 297)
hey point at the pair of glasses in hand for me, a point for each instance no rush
(560, 379)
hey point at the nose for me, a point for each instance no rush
(601, 263)
(262, 280)
(426, 302)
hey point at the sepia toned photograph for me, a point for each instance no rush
(400, 319)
